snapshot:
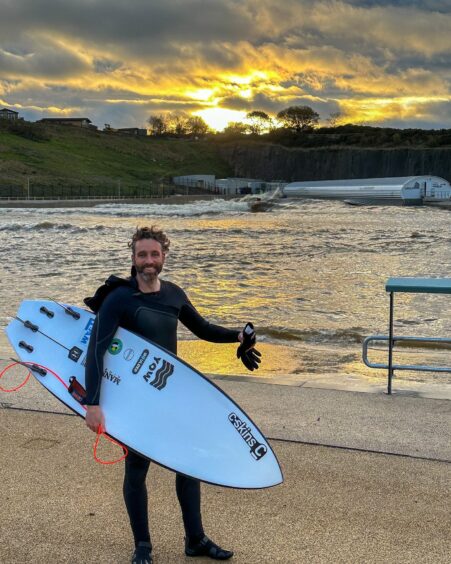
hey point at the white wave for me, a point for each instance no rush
(48, 225)
(210, 207)
(197, 208)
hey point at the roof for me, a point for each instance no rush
(9, 111)
(419, 285)
(390, 181)
(66, 119)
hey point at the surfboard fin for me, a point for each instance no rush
(68, 310)
(47, 312)
(71, 312)
(30, 325)
(26, 346)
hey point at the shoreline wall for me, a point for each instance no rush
(275, 162)
(92, 202)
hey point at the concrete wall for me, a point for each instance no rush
(274, 161)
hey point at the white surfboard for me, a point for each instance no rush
(154, 403)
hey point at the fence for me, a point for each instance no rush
(100, 188)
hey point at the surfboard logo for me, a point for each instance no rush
(258, 450)
(87, 332)
(128, 354)
(109, 375)
(161, 376)
(115, 346)
(141, 360)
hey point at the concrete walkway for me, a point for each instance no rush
(344, 498)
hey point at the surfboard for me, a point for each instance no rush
(154, 402)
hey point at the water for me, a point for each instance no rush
(309, 274)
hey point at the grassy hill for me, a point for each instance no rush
(75, 159)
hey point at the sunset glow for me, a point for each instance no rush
(379, 62)
(218, 118)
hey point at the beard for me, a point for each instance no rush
(149, 275)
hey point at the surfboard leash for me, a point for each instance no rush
(77, 392)
(8, 367)
(100, 433)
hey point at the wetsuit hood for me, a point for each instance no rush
(94, 302)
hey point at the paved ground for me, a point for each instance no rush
(354, 503)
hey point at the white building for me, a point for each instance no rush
(227, 186)
(235, 186)
(241, 186)
(205, 181)
(413, 190)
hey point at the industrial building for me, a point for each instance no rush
(403, 190)
(227, 186)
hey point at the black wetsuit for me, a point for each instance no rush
(154, 316)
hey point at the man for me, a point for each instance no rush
(151, 307)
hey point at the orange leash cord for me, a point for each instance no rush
(100, 431)
(17, 387)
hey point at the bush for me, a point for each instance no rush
(26, 129)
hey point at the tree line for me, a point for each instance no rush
(298, 126)
(295, 126)
(180, 124)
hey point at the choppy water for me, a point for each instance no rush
(309, 274)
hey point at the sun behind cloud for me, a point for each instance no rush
(218, 118)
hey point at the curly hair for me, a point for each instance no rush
(151, 232)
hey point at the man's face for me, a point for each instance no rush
(148, 258)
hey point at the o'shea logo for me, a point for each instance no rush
(115, 347)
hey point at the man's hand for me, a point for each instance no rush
(249, 356)
(94, 418)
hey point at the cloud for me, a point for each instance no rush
(43, 58)
(124, 60)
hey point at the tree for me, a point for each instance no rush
(177, 123)
(236, 128)
(259, 121)
(299, 118)
(334, 118)
(158, 125)
(196, 126)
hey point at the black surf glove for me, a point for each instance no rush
(249, 356)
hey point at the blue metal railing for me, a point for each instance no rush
(407, 285)
(419, 367)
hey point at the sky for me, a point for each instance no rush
(381, 63)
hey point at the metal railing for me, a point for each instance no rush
(107, 197)
(410, 285)
(418, 367)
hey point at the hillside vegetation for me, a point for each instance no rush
(76, 159)
(354, 136)
(65, 161)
